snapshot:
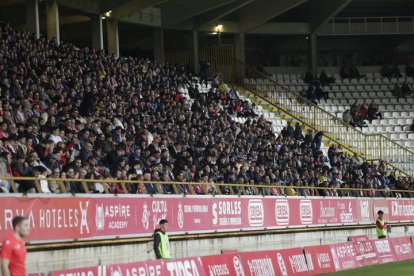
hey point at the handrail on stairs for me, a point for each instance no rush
(371, 147)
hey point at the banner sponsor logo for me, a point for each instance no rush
(298, 263)
(256, 212)
(145, 219)
(227, 213)
(184, 267)
(306, 212)
(364, 205)
(402, 208)
(282, 264)
(180, 216)
(238, 266)
(346, 215)
(261, 267)
(282, 211)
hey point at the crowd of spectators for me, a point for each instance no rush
(73, 113)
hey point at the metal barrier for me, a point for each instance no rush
(372, 147)
(194, 188)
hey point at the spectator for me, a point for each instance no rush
(348, 118)
(397, 91)
(373, 112)
(405, 89)
(324, 79)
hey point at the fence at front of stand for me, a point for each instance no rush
(113, 186)
(370, 146)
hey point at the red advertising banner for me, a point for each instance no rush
(384, 250)
(401, 209)
(89, 271)
(95, 217)
(259, 263)
(222, 265)
(291, 262)
(381, 204)
(148, 268)
(366, 254)
(358, 238)
(403, 248)
(319, 259)
(365, 210)
(344, 256)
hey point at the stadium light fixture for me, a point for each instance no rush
(108, 13)
(219, 28)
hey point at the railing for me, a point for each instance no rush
(372, 147)
(383, 25)
(194, 188)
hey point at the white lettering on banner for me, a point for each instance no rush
(118, 211)
(116, 271)
(144, 270)
(282, 264)
(298, 263)
(261, 267)
(52, 218)
(223, 213)
(404, 248)
(324, 261)
(183, 268)
(196, 208)
(256, 212)
(364, 204)
(145, 216)
(335, 259)
(346, 250)
(326, 211)
(383, 246)
(180, 216)
(218, 270)
(84, 273)
(282, 211)
(159, 211)
(238, 266)
(306, 212)
(84, 220)
(346, 216)
(99, 217)
(401, 209)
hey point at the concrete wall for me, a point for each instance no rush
(91, 256)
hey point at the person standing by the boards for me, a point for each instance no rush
(381, 227)
(161, 241)
(13, 249)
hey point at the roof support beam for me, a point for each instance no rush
(321, 11)
(130, 7)
(261, 11)
(216, 14)
(178, 11)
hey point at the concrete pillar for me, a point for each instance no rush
(113, 36)
(97, 32)
(32, 17)
(313, 54)
(52, 11)
(240, 54)
(158, 40)
(194, 55)
(239, 47)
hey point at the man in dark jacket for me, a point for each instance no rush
(161, 241)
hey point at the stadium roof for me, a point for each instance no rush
(238, 15)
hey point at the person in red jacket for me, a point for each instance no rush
(13, 250)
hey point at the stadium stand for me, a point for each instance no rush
(81, 114)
